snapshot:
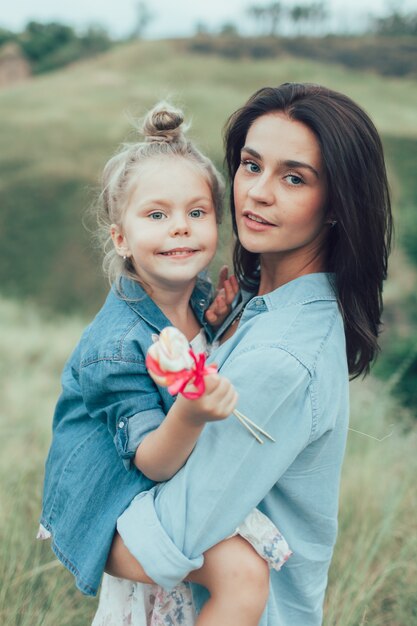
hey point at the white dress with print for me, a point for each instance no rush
(125, 603)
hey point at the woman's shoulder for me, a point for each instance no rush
(303, 331)
(315, 329)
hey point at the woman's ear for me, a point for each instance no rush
(119, 241)
(330, 219)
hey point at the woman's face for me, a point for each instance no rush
(280, 190)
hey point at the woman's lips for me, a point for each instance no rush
(256, 222)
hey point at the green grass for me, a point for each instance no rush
(372, 579)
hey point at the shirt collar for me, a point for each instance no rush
(143, 305)
(301, 290)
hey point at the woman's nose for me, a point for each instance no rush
(261, 191)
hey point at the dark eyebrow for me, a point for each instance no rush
(288, 163)
(300, 164)
(252, 152)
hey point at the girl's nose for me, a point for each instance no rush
(180, 228)
(261, 191)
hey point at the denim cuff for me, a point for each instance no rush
(131, 431)
(152, 547)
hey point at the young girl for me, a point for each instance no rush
(114, 430)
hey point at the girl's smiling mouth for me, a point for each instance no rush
(179, 252)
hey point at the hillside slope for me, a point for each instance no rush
(57, 130)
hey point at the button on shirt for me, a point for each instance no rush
(287, 360)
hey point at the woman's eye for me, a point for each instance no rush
(197, 213)
(250, 166)
(294, 180)
(157, 215)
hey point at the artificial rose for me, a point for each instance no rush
(172, 363)
(171, 351)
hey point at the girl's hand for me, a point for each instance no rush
(217, 402)
(227, 289)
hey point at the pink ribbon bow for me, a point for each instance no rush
(178, 381)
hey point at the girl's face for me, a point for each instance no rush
(169, 226)
(280, 190)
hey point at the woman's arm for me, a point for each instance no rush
(164, 451)
(228, 473)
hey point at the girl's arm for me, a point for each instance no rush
(165, 450)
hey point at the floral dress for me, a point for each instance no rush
(125, 603)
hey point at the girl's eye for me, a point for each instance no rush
(250, 166)
(197, 213)
(157, 215)
(294, 180)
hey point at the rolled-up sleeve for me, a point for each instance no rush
(121, 394)
(168, 528)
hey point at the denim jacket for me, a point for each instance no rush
(107, 405)
(287, 360)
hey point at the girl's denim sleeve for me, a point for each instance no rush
(121, 394)
(228, 473)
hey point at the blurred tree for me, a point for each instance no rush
(258, 14)
(397, 24)
(299, 14)
(95, 40)
(144, 17)
(6, 35)
(38, 40)
(52, 45)
(229, 28)
(318, 14)
(201, 28)
(267, 16)
(274, 12)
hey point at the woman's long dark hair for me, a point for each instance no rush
(357, 197)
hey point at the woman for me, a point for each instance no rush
(311, 209)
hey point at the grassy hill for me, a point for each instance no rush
(58, 130)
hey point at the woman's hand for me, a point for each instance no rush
(227, 289)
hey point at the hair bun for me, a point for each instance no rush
(163, 123)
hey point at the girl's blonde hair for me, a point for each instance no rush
(164, 135)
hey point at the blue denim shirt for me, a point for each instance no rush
(107, 405)
(288, 362)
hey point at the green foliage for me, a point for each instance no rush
(398, 362)
(6, 35)
(389, 56)
(48, 46)
(402, 154)
(40, 40)
(397, 24)
(231, 45)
